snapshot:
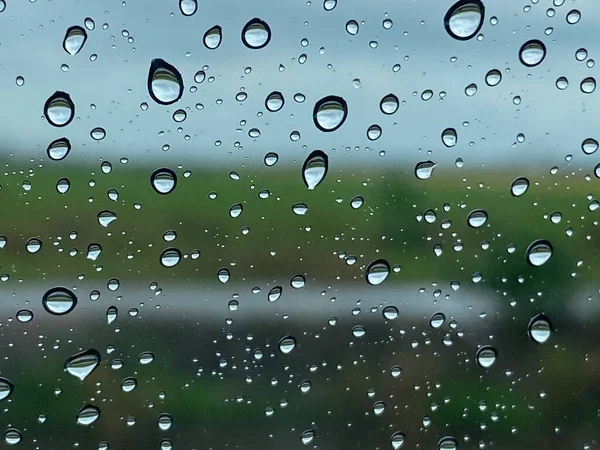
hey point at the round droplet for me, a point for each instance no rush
(562, 83)
(128, 384)
(352, 27)
(33, 245)
(6, 388)
(471, 90)
(188, 7)
(307, 437)
(397, 440)
(89, 23)
(236, 210)
(274, 101)
(300, 209)
(330, 113)
(106, 217)
(287, 344)
(165, 421)
(12, 436)
(390, 312)
(59, 149)
(356, 202)
(437, 320)
(477, 218)
(389, 104)
(315, 169)
(59, 301)
(377, 272)
(378, 408)
(486, 356)
(170, 257)
(424, 169)
(165, 83)
(223, 275)
(275, 294)
(449, 137)
(24, 315)
(447, 443)
(519, 186)
(256, 34)
(588, 85)
(589, 146)
(199, 76)
(464, 19)
(98, 133)
(179, 116)
(83, 364)
(539, 252)
(163, 181)
(532, 53)
(539, 328)
(59, 109)
(271, 159)
(573, 16)
(74, 39)
(298, 281)
(374, 132)
(329, 5)
(358, 331)
(88, 415)
(212, 38)
(493, 77)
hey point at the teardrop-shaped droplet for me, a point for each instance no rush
(532, 53)
(128, 384)
(447, 443)
(274, 101)
(6, 388)
(389, 104)
(377, 272)
(330, 113)
(486, 356)
(83, 364)
(464, 19)
(170, 257)
(163, 180)
(111, 314)
(300, 209)
(236, 210)
(287, 344)
(59, 301)
(106, 217)
(59, 149)
(539, 328)
(449, 137)
(63, 185)
(397, 440)
(390, 312)
(424, 169)
(519, 186)
(275, 294)
(59, 109)
(477, 218)
(188, 7)
(88, 415)
(74, 39)
(223, 275)
(307, 437)
(165, 84)
(212, 38)
(165, 421)
(93, 251)
(437, 320)
(539, 252)
(271, 159)
(315, 169)
(256, 34)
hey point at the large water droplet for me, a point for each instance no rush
(589, 146)
(223, 275)
(236, 210)
(88, 415)
(165, 421)
(12, 436)
(59, 149)
(274, 101)
(111, 314)
(59, 109)
(437, 320)
(212, 38)
(165, 83)
(188, 7)
(74, 39)
(330, 113)
(106, 217)
(539, 252)
(352, 27)
(315, 169)
(532, 53)
(377, 272)
(256, 34)
(163, 180)
(449, 137)
(447, 443)
(271, 159)
(477, 218)
(128, 384)
(6, 388)
(493, 77)
(424, 169)
(170, 257)
(397, 440)
(275, 294)
(287, 344)
(464, 19)
(390, 312)
(519, 186)
(588, 85)
(59, 301)
(33, 245)
(539, 328)
(486, 356)
(389, 104)
(307, 437)
(83, 364)
(93, 251)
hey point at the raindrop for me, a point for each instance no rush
(329, 5)
(146, 358)
(532, 53)
(539, 328)
(588, 85)
(464, 19)
(236, 210)
(200, 76)
(170, 257)
(33, 245)
(493, 77)
(589, 146)
(59, 109)
(374, 132)
(315, 169)
(98, 133)
(356, 202)
(437, 320)
(275, 294)
(89, 23)
(330, 113)
(256, 34)
(88, 415)
(539, 252)
(59, 301)
(179, 116)
(6, 388)
(449, 137)
(93, 251)
(390, 312)
(477, 218)
(106, 217)
(165, 83)
(188, 7)
(223, 275)
(397, 440)
(111, 314)
(300, 209)
(163, 181)
(307, 437)
(59, 149)
(12, 436)
(274, 101)
(287, 344)
(389, 104)
(447, 443)
(128, 384)
(471, 90)
(74, 39)
(24, 315)
(424, 169)
(83, 364)
(486, 357)
(358, 331)
(519, 186)
(377, 272)
(271, 159)
(378, 408)
(298, 281)
(352, 27)
(573, 16)
(212, 38)
(165, 421)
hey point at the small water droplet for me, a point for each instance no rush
(170, 257)
(165, 84)
(59, 301)
(477, 218)
(300, 209)
(12, 436)
(146, 358)
(33, 245)
(390, 312)
(519, 186)
(539, 328)
(24, 315)
(298, 281)
(424, 169)
(88, 415)
(397, 440)
(59, 149)
(165, 421)
(352, 27)
(493, 77)
(98, 133)
(486, 356)
(93, 251)
(330, 113)
(236, 210)
(377, 272)
(287, 344)
(374, 132)
(329, 5)
(271, 159)
(112, 313)
(464, 19)
(83, 364)
(449, 137)
(447, 443)
(163, 181)
(437, 320)
(212, 38)
(128, 384)
(471, 90)
(539, 252)
(573, 16)
(275, 294)
(307, 437)
(223, 275)
(256, 34)
(532, 53)
(356, 202)
(6, 388)
(89, 23)
(59, 109)
(74, 39)
(315, 169)
(389, 104)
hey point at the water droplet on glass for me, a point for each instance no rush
(390, 312)
(447, 443)
(271, 159)
(378, 408)
(59, 301)
(307, 437)
(464, 19)
(539, 252)
(146, 358)
(89, 23)
(128, 384)
(471, 90)
(424, 169)
(212, 38)
(493, 77)
(236, 210)
(274, 101)
(223, 275)
(300, 209)
(486, 356)
(298, 281)
(519, 186)
(358, 331)
(397, 440)
(163, 181)
(256, 34)
(83, 364)
(330, 113)
(12, 436)
(437, 320)
(88, 415)
(111, 314)
(170, 257)
(329, 5)
(477, 218)
(315, 169)
(59, 149)
(59, 109)
(287, 344)
(74, 39)
(573, 16)
(165, 83)
(24, 315)
(377, 272)
(188, 7)
(356, 202)
(165, 421)
(106, 217)
(389, 104)
(588, 85)
(449, 137)
(6, 388)
(98, 133)
(93, 251)
(33, 245)
(532, 53)
(352, 27)
(589, 146)
(374, 132)
(539, 328)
